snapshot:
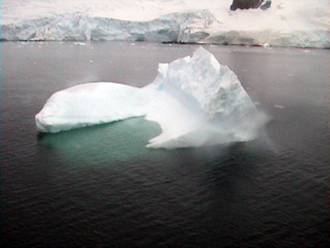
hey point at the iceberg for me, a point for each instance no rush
(195, 100)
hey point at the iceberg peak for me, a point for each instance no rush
(201, 103)
(195, 100)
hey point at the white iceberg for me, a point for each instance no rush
(195, 100)
(90, 104)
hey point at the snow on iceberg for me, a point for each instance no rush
(195, 100)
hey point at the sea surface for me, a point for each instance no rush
(100, 186)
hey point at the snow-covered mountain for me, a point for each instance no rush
(303, 23)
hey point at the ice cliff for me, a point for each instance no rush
(287, 23)
(184, 27)
(195, 100)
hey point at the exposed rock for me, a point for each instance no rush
(248, 4)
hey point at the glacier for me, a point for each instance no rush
(173, 27)
(286, 24)
(195, 100)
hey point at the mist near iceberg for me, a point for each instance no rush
(195, 100)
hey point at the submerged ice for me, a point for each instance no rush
(195, 100)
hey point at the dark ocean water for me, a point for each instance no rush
(100, 187)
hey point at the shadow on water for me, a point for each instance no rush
(178, 191)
